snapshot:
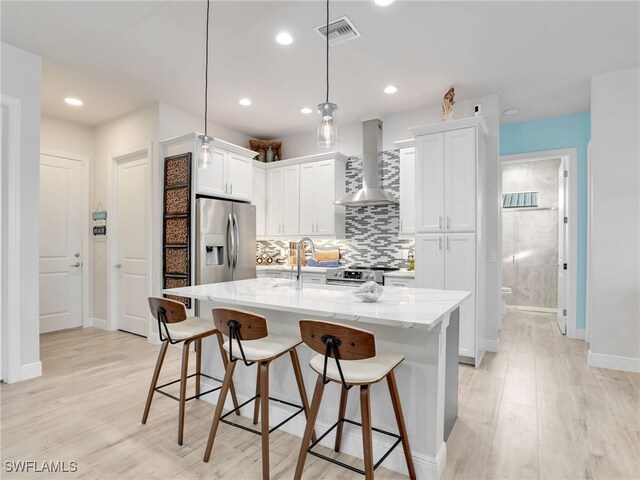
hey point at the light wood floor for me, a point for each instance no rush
(536, 410)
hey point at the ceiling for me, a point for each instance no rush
(117, 56)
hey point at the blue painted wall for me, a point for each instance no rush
(554, 133)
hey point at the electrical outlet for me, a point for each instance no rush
(493, 256)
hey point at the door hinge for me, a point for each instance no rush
(565, 266)
(566, 173)
(564, 312)
(566, 219)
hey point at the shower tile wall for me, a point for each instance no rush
(530, 237)
(371, 232)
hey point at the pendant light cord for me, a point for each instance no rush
(206, 73)
(327, 35)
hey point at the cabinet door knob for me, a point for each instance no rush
(440, 222)
(118, 265)
(439, 243)
(231, 189)
(448, 222)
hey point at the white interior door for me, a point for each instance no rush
(132, 246)
(60, 243)
(563, 230)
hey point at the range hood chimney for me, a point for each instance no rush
(371, 193)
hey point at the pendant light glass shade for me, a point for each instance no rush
(205, 152)
(327, 125)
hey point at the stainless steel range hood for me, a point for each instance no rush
(371, 193)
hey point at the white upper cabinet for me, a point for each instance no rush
(300, 196)
(430, 182)
(460, 180)
(407, 191)
(228, 175)
(239, 176)
(211, 180)
(290, 200)
(321, 183)
(282, 200)
(259, 199)
(446, 176)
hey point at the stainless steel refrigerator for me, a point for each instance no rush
(225, 241)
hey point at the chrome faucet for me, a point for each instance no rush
(300, 247)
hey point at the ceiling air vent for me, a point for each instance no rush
(340, 30)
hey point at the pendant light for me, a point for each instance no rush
(327, 123)
(206, 148)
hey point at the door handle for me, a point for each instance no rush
(77, 264)
(237, 242)
(230, 241)
(117, 265)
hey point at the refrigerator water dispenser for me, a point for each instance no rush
(214, 250)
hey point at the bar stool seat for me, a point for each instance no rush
(356, 372)
(264, 348)
(190, 327)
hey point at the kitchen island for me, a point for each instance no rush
(422, 324)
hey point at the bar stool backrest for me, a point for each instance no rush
(249, 325)
(174, 311)
(350, 343)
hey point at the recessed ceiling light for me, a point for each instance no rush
(383, 3)
(390, 89)
(245, 102)
(76, 102)
(306, 110)
(511, 111)
(284, 38)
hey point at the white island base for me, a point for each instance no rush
(419, 323)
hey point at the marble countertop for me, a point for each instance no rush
(398, 306)
(404, 273)
(288, 268)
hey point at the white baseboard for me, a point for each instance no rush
(625, 364)
(100, 323)
(491, 345)
(30, 370)
(426, 466)
(579, 335)
(154, 339)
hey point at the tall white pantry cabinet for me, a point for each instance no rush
(450, 223)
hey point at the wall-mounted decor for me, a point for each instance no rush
(520, 200)
(267, 150)
(176, 236)
(99, 221)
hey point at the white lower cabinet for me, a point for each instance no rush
(448, 261)
(311, 278)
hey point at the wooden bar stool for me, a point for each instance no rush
(174, 326)
(354, 363)
(250, 341)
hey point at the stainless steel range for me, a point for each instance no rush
(356, 275)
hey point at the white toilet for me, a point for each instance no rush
(506, 292)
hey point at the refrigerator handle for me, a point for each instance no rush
(237, 240)
(231, 248)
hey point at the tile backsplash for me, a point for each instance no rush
(371, 232)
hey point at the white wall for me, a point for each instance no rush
(175, 122)
(614, 274)
(395, 127)
(64, 136)
(21, 78)
(133, 131)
